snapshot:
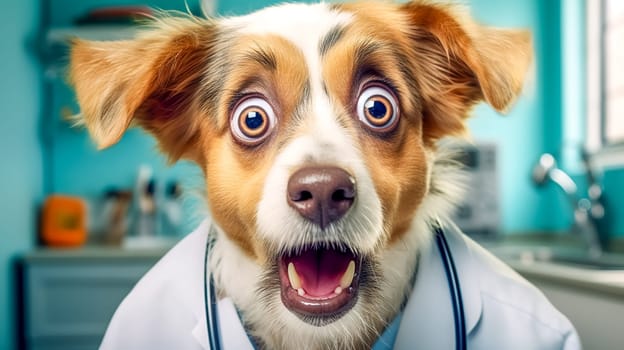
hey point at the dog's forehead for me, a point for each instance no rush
(304, 25)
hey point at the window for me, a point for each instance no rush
(605, 78)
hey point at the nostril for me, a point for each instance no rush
(302, 196)
(341, 195)
(338, 196)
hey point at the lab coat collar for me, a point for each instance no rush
(428, 316)
(199, 332)
(427, 312)
(233, 335)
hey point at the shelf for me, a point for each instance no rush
(62, 36)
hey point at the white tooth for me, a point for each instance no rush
(347, 278)
(295, 282)
(301, 292)
(338, 290)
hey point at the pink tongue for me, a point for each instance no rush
(320, 271)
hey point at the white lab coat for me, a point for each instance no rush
(165, 310)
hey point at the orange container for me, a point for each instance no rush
(64, 221)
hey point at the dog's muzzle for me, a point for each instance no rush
(319, 282)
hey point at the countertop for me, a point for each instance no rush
(529, 255)
(604, 281)
(151, 248)
(524, 253)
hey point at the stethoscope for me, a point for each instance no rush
(459, 322)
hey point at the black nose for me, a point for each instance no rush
(321, 194)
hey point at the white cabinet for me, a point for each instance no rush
(69, 297)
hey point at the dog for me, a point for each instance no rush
(319, 129)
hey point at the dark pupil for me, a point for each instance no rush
(376, 109)
(254, 120)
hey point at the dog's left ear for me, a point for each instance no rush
(151, 81)
(460, 63)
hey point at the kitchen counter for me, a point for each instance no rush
(535, 257)
(603, 281)
(92, 253)
(132, 248)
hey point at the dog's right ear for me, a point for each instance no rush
(461, 63)
(151, 80)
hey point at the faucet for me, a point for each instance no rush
(587, 211)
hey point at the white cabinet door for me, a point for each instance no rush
(69, 302)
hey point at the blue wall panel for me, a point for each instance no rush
(20, 150)
(613, 183)
(527, 130)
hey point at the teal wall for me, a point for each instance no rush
(613, 184)
(232, 8)
(522, 135)
(20, 150)
(574, 105)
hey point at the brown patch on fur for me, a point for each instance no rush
(400, 180)
(441, 65)
(179, 81)
(236, 174)
(151, 80)
(372, 49)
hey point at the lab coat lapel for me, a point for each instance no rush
(233, 335)
(427, 321)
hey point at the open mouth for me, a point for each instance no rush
(319, 283)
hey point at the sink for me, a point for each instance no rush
(603, 262)
(560, 256)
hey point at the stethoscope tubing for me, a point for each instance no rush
(459, 320)
(210, 302)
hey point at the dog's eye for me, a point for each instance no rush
(252, 121)
(377, 108)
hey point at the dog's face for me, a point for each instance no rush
(316, 129)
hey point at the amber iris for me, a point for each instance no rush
(378, 111)
(253, 122)
(378, 108)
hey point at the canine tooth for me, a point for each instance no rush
(295, 282)
(301, 292)
(338, 290)
(347, 278)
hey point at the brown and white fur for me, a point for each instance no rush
(183, 79)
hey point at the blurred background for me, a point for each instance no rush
(78, 227)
